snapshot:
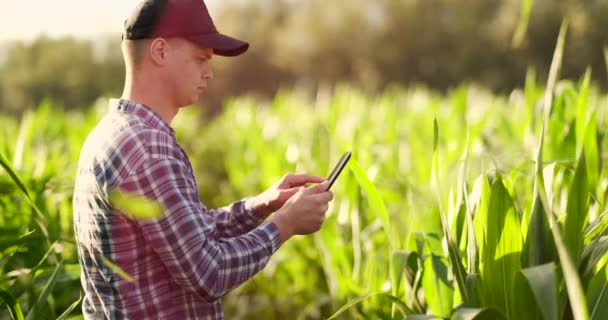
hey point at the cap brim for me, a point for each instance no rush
(221, 44)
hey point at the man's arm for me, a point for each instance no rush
(188, 240)
(235, 219)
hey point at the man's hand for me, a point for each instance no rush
(275, 197)
(304, 213)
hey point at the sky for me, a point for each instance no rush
(25, 20)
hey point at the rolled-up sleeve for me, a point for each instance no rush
(197, 248)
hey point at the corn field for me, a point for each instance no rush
(465, 205)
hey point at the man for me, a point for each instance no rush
(183, 262)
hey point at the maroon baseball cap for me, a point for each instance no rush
(188, 19)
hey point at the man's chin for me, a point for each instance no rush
(194, 100)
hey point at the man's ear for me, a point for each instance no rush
(158, 50)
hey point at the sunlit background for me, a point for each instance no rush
(27, 20)
(305, 44)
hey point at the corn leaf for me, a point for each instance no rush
(135, 206)
(71, 308)
(453, 253)
(400, 262)
(573, 283)
(522, 25)
(542, 282)
(374, 198)
(597, 295)
(582, 106)
(577, 211)
(477, 314)
(42, 299)
(401, 306)
(13, 306)
(9, 169)
(502, 257)
(438, 290)
(117, 269)
(592, 156)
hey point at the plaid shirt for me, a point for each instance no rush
(183, 262)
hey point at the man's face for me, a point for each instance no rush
(188, 70)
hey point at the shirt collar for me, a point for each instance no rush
(144, 112)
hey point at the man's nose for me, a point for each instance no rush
(208, 75)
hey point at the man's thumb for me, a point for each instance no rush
(317, 188)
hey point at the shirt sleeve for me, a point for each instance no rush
(234, 219)
(189, 241)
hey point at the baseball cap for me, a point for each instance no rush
(188, 19)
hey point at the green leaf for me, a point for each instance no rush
(453, 253)
(581, 116)
(570, 272)
(606, 57)
(473, 285)
(13, 306)
(42, 299)
(577, 211)
(573, 283)
(11, 239)
(525, 299)
(593, 257)
(595, 232)
(45, 256)
(542, 282)
(400, 263)
(556, 64)
(402, 307)
(116, 269)
(71, 308)
(135, 206)
(472, 251)
(538, 247)
(374, 198)
(502, 255)
(69, 272)
(401, 260)
(592, 156)
(597, 295)
(483, 189)
(522, 25)
(438, 290)
(9, 169)
(477, 314)
(423, 317)
(469, 227)
(435, 135)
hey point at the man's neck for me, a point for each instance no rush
(151, 95)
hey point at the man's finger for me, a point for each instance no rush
(326, 196)
(292, 191)
(317, 188)
(301, 179)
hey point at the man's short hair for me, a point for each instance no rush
(133, 51)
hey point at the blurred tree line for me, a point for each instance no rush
(312, 43)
